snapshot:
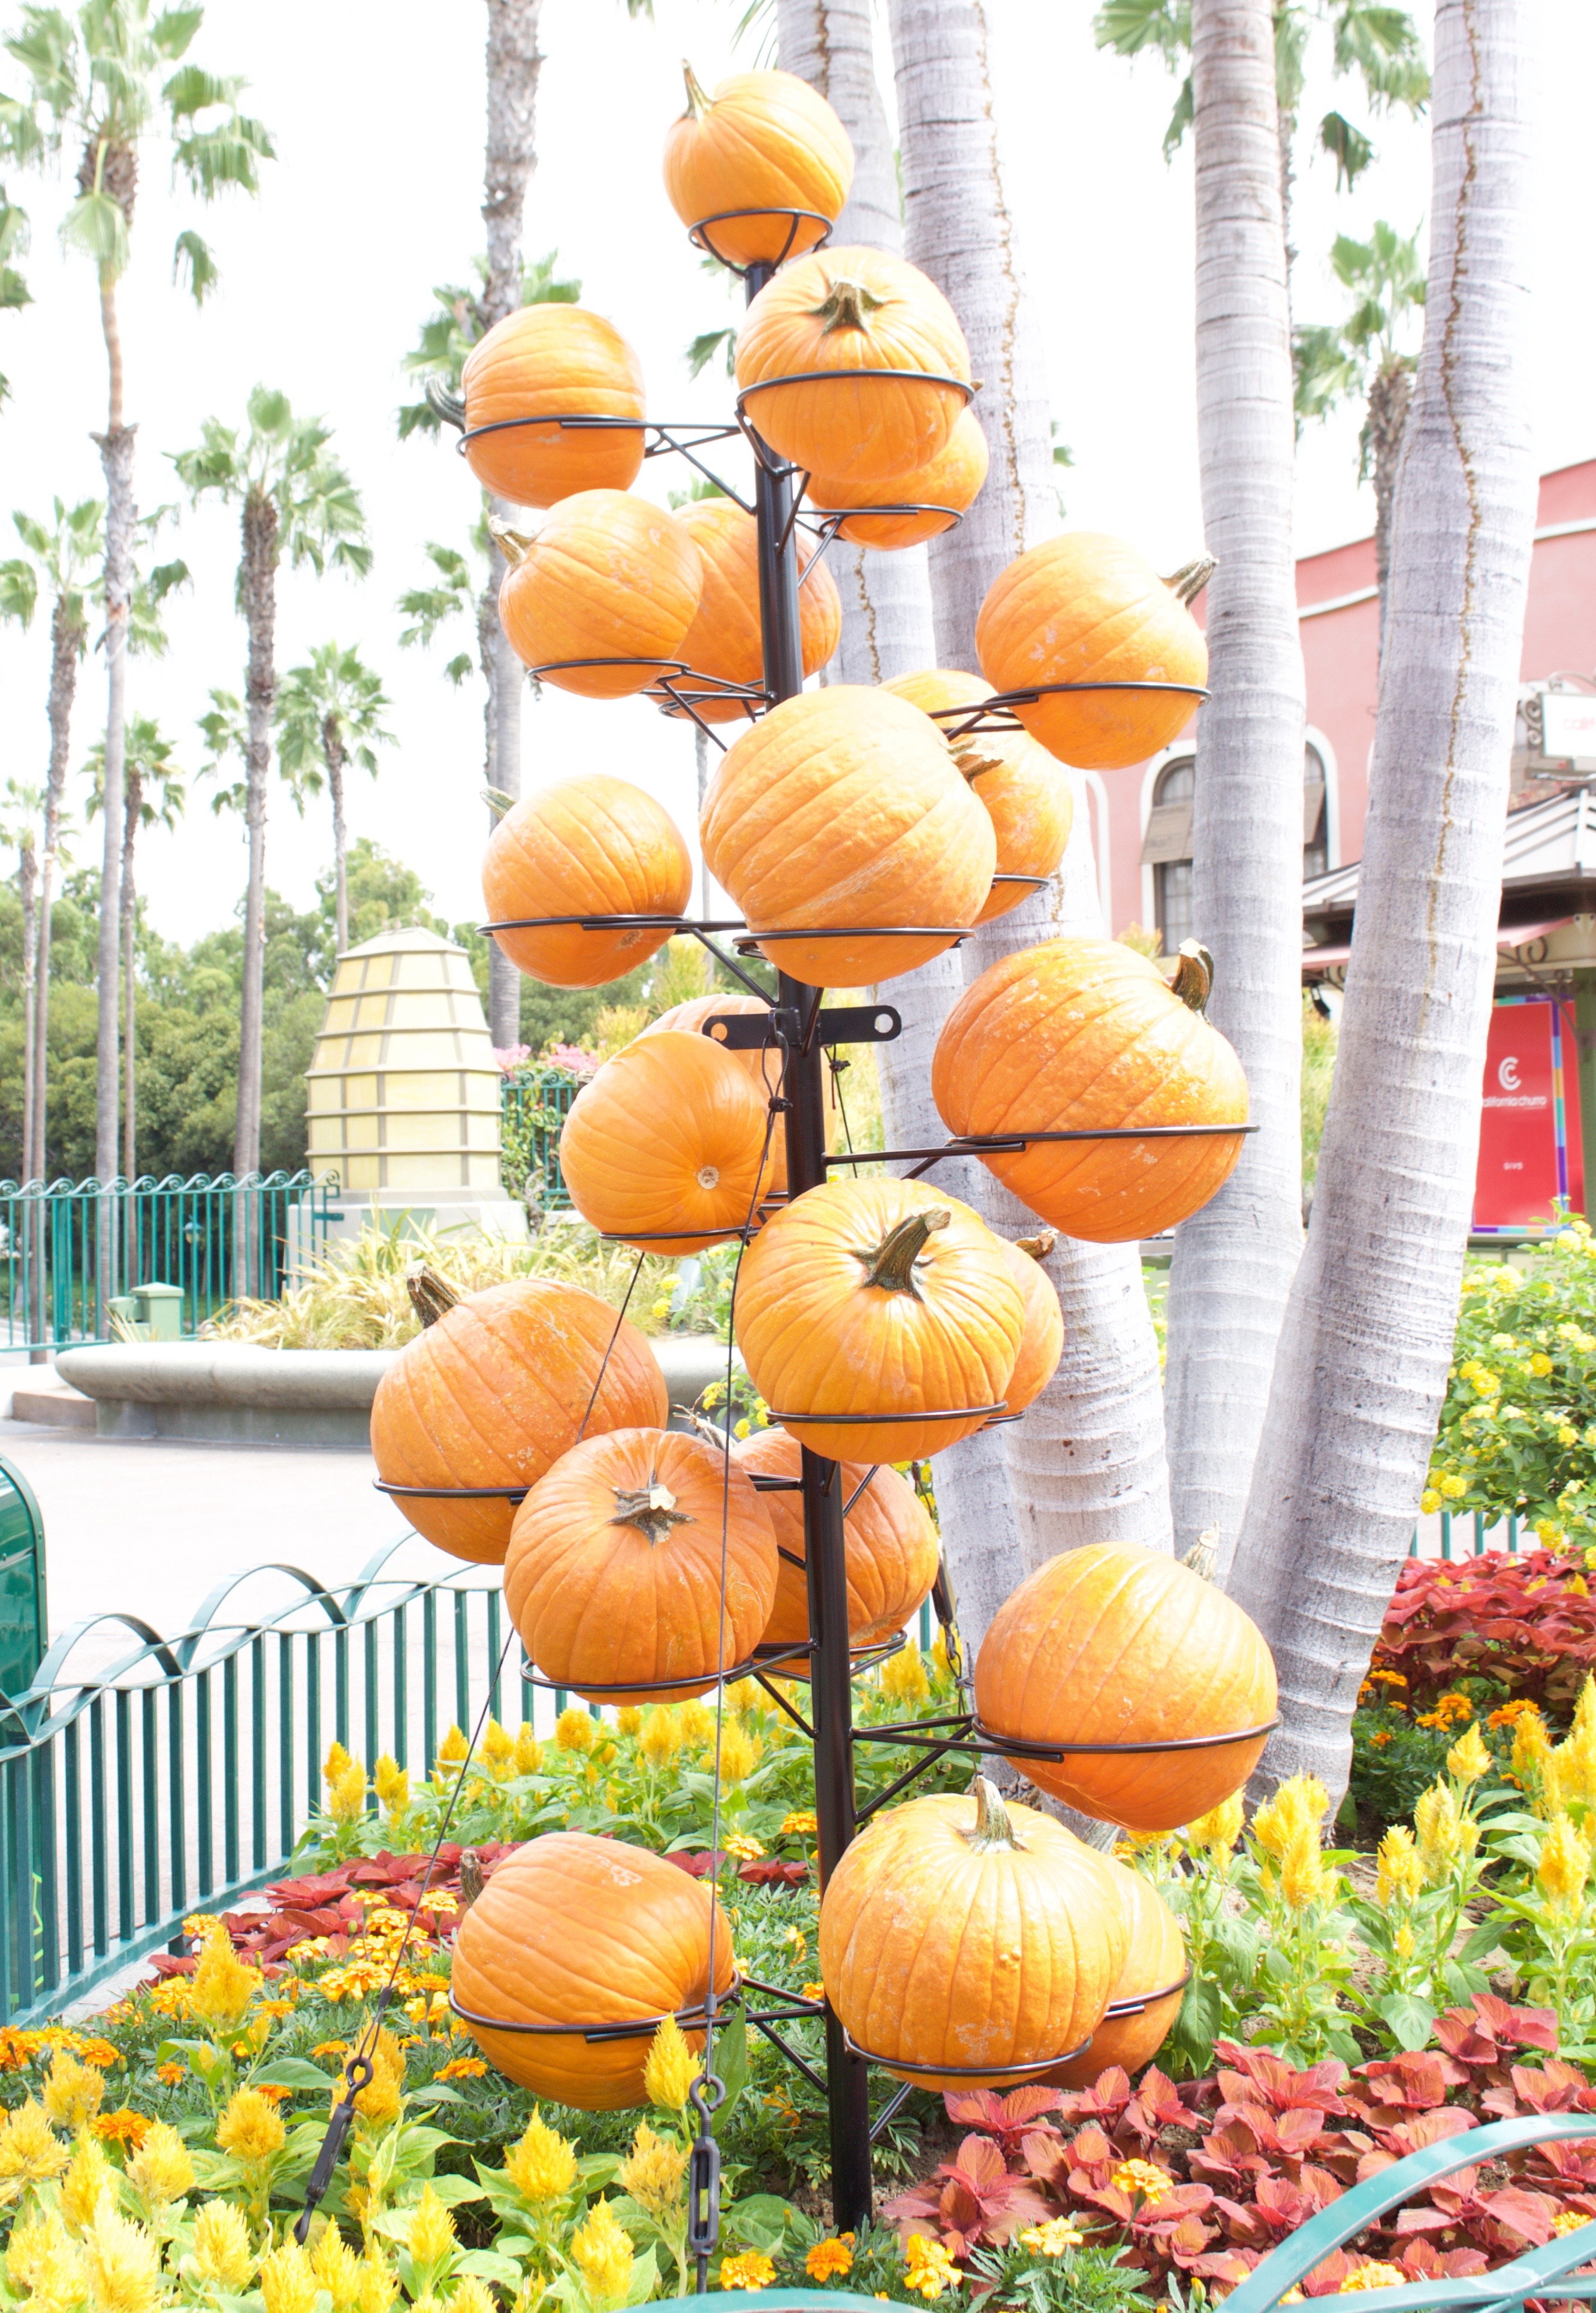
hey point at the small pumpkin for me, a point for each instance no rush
(607, 578)
(590, 846)
(890, 1543)
(952, 481)
(555, 361)
(724, 638)
(764, 1065)
(1112, 1644)
(764, 140)
(1041, 1345)
(1025, 794)
(573, 1929)
(1147, 1990)
(494, 1389)
(667, 1147)
(1087, 608)
(961, 1932)
(845, 309)
(878, 1297)
(843, 807)
(615, 1560)
(1077, 1033)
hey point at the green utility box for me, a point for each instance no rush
(151, 1313)
(22, 1621)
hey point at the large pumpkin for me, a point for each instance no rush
(607, 577)
(724, 639)
(764, 140)
(882, 1298)
(1022, 789)
(492, 1392)
(663, 1148)
(552, 361)
(1081, 1033)
(843, 807)
(842, 311)
(764, 1065)
(1041, 1345)
(614, 1572)
(590, 846)
(1086, 607)
(945, 490)
(1146, 1992)
(890, 1543)
(1113, 1645)
(578, 1930)
(963, 1942)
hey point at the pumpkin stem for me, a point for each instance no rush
(1204, 1554)
(699, 100)
(848, 306)
(497, 801)
(972, 764)
(1193, 981)
(651, 1509)
(1189, 582)
(891, 1265)
(1039, 1246)
(432, 1297)
(993, 1830)
(449, 405)
(514, 545)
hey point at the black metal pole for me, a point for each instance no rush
(848, 2081)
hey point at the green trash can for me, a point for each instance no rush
(23, 1621)
(160, 1311)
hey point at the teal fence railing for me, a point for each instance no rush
(533, 1110)
(1475, 1532)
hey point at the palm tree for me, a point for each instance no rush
(18, 831)
(330, 713)
(154, 794)
(104, 84)
(13, 289)
(296, 503)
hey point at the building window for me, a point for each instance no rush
(1166, 847)
(1316, 847)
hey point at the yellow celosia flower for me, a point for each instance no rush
(602, 2254)
(1218, 1831)
(88, 2181)
(432, 2230)
(574, 1728)
(222, 2246)
(543, 2167)
(1304, 1879)
(746, 1696)
(337, 2267)
(695, 1722)
(337, 1763)
(749, 2271)
(391, 1784)
(741, 1753)
(655, 2172)
(528, 1751)
(1374, 2274)
(347, 1800)
(379, 2284)
(1468, 1760)
(829, 2260)
(1565, 1865)
(122, 2262)
(1402, 1942)
(222, 1986)
(1052, 2238)
(472, 2296)
(1445, 1833)
(629, 1719)
(497, 1746)
(661, 1738)
(288, 2283)
(252, 2128)
(904, 1677)
(73, 2092)
(41, 2257)
(1303, 1800)
(671, 2067)
(454, 1750)
(30, 2153)
(1401, 1874)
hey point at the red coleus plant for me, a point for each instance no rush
(974, 2201)
(1527, 1622)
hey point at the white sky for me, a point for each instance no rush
(378, 113)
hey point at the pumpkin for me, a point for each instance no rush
(1041, 1345)
(891, 1547)
(1146, 1992)
(843, 807)
(494, 1389)
(555, 361)
(1076, 1033)
(723, 640)
(608, 576)
(1028, 798)
(573, 1929)
(845, 310)
(1086, 607)
(878, 1297)
(614, 1571)
(663, 1147)
(764, 1065)
(1112, 1644)
(952, 481)
(590, 846)
(961, 1934)
(764, 140)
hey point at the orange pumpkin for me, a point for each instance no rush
(1086, 607)
(494, 1390)
(1113, 1645)
(555, 361)
(577, 1930)
(878, 1297)
(591, 846)
(1078, 1034)
(845, 310)
(764, 140)
(1042, 1344)
(724, 639)
(614, 1572)
(663, 1148)
(891, 1547)
(952, 481)
(961, 1934)
(1027, 796)
(1146, 1992)
(607, 578)
(843, 807)
(763, 1064)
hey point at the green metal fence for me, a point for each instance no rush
(533, 1110)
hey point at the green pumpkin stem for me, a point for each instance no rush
(993, 1831)
(1193, 981)
(1202, 1557)
(1189, 582)
(848, 305)
(432, 1297)
(513, 544)
(699, 100)
(651, 1509)
(449, 405)
(891, 1265)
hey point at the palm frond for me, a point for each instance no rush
(193, 267)
(702, 349)
(96, 226)
(1347, 146)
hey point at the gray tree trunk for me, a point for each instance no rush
(1391, 394)
(1361, 1365)
(66, 643)
(28, 892)
(115, 459)
(333, 751)
(260, 527)
(132, 805)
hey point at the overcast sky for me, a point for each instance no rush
(377, 111)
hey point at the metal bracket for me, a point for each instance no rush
(846, 1024)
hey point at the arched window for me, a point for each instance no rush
(1316, 850)
(1167, 846)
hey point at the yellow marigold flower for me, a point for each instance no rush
(1304, 1879)
(252, 2128)
(602, 2254)
(750, 2270)
(347, 1800)
(161, 2169)
(222, 1986)
(813, 1991)
(1569, 2220)
(1219, 1829)
(671, 2067)
(1565, 1865)
(222, 2246)
(745, 1850)
(803, 1823)
(30, 2153)
(1468, 1760)
(123, 2264)
(288, 2282)
(904, 1677)
(1400, 1874)
(1052, 2238)
(574, 1728)
(73, 2092)
(629, 1719)
(337, 1763)
(88, 2181)
(463, 2068)
(929, 2267)
(655, 2172)
(543, 2167)
(1141, 2179)
(695, 1722)
(1374, 2274)
(829, 2260)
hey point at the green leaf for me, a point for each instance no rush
(759, 2222)
(95, 225)
(730, 2057)
(453, 2190)
(290, 2072)
(193, 268)
(488, 2265)
(645, 2280)
(1408, 2019)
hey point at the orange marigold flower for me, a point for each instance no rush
(463, 2068)
(173, 2075)
(124, 2127)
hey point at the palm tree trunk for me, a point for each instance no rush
(1234, 1260)
(28, 891)
(130, 817)
(259, 575)
(1363, 1360)
(332, 747)
(1391, 394)
(116, 457)
(66, 642)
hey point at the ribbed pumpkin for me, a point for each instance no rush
(613, 1576)
(1081, 1032)
(1087, 608)
(878, 1297)
(843, 807)
(1042, 1344)
(590, 846)
(764, 140)
(555, 361)
(573, 1929)
(493, 1391)
(1025, 794)
(1113, 1644)
(663, 1147)
(846, 310)
(606, 577)
(960, 1932)
(891, 1547)
(1155, 1964)
(953, 480)
(724, 639)
(763, 1065)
